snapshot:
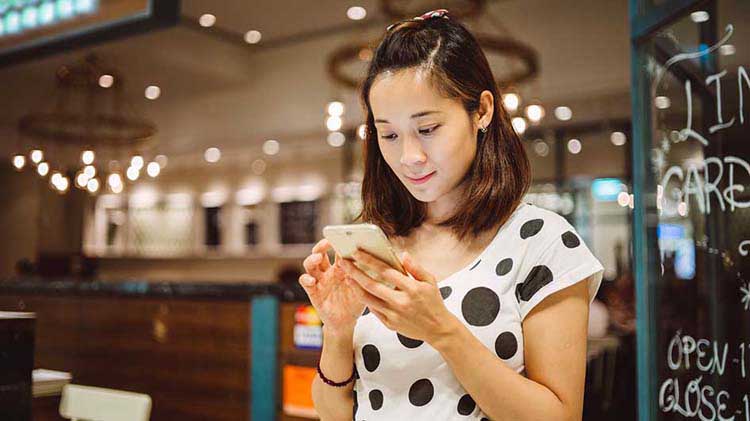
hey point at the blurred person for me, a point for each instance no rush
(492, 321)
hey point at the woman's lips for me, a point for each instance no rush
(421, 180)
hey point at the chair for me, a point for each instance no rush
(80, 403)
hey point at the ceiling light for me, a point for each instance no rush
(42, 168)
(336, 108)
(356, 13)
(90, 171)
(334, 123)
(161, 160)
(574, 146)
(19, 161)
(87, 157)
(511, 101)
(36, 156)
(535, 113)
(336, 139)
(106, 81)
(563, 113)
(519, 124)
(207, 20)
(212, 155)
(136, 162)
(541, 148)
(153, 92)
(252, 37)
(93, 185)
(153, 169)
(132, 173)
(271, 147)
(618, 138)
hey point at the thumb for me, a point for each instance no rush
(417, 271)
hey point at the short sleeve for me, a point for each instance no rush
(559, 260)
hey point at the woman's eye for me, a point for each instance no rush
(429, 130)
(389, 137)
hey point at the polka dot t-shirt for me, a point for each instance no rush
(534, 254)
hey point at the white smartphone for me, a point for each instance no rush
(345, 239)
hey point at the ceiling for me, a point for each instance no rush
(216, 90)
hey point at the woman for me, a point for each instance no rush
(492, 322)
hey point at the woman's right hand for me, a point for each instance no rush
(335, 300)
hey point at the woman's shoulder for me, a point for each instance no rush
(541, 223)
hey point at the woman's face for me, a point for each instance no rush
(420, 133)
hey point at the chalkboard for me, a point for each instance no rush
(697, 71)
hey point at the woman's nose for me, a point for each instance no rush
(412, 153)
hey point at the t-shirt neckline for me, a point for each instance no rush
(486, 249)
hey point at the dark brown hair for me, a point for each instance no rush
(500, 173)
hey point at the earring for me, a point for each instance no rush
(483, 129)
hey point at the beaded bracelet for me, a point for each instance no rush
(330, 382)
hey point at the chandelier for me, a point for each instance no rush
(88, 132)
(497, 42)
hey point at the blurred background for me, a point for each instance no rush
(166, 166)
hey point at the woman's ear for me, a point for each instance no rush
(486, 108)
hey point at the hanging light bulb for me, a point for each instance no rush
(87, 157)
(114, 179)
(132, 173)
(93, 185)
(42, 168)
(336, 108)
(19, 161)
(519, 124)
(56, 177)
(511, 101)
(63, 184)
(90, 171)
(334, 123)
(535, 113)
(153, 169)
(37, 156)
(137, 162)
(81, 180)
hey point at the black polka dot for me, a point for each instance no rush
(475, 264)
(356, 405)
(537, 278)
(366, 312)
(376, 399)
(466, 405)
(421, 392)
(371, 356)
(570, 240)
(506, 345)
(531, 228)
(504, 266)
(484, 419)
(480, 306)
(445, 292)
(409, 342)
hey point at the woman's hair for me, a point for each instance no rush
(500, 173)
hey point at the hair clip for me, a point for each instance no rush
(437, 13)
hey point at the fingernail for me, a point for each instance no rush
(315, 258)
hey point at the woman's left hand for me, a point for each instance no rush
(414, 309)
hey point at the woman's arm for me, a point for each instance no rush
(336, 362)
(555, 335)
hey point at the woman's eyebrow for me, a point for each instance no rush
(419, 114)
